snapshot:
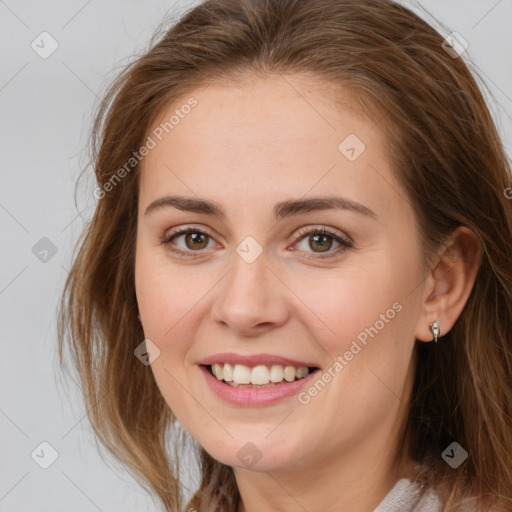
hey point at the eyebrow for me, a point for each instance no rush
(281, 210)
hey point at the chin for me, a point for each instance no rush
(257, 455)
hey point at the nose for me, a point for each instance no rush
(252, 299)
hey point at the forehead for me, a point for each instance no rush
(281, 135)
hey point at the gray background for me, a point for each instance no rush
(45, 116)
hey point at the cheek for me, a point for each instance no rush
(365, 321)
(166, 300)
(166, 295)
(341, 306)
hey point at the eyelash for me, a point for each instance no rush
(345, 243)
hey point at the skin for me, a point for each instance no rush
(247, 146)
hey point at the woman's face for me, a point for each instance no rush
(256, 285)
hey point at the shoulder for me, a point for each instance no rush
(406, 496)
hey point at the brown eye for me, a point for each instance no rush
(320, 241)
(194, 240)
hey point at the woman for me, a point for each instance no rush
(301, 253)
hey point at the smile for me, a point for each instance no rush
(259, 376)
(243, 390)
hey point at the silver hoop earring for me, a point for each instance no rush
(434, 328)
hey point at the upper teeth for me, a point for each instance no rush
(259, 375)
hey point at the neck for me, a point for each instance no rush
(319, 489)
(356, 480)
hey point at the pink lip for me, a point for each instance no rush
(254, 397)
(253, 360)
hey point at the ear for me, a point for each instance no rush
(448, 286)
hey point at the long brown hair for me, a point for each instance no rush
(448, 157)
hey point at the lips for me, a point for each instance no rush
(255, 360)
(239, 387)
(254, 396)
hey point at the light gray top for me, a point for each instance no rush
(404, 498)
